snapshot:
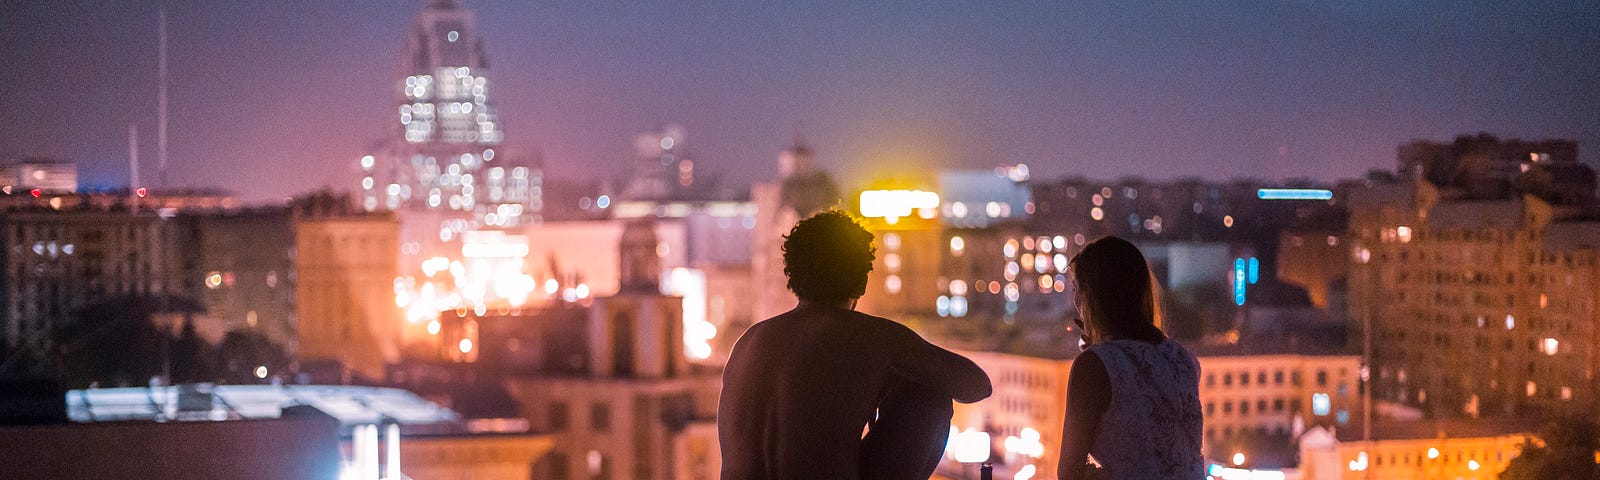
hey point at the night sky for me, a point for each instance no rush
(274, 98)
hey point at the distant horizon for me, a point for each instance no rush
(292, 95)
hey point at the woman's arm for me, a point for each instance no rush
(1088, 396)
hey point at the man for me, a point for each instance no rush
(800, 387)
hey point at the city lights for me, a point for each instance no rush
(1294, 194)
(967, 446)
(891, 205)
(1026, 443)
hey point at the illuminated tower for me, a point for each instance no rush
(444, 159)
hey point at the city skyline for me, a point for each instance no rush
(1098, 90)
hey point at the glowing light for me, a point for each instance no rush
(453, 36)
(893, 204)
(958, 307)
(1404, 233)
(261, 371)
(1320, 404)
(1097, 214)
(433, 327)
(1025, 443)
(1010, 248)
(603, 202)
(1227, 221)
(1473, 465)
(941, 305)
(1511, 322)
(1026, 472)
(367, 162)
(465, 346)
(1294, 194)
(957, 245)
(213, 280)
(1360, 463)
(1254, 270)
(958, 287)
(1433, 453)
(1240, 280)
(141, 192)
(36, 192)
(550, 286)
(1551, 346)
(967, 446)
(1238, 458)
(892, 284)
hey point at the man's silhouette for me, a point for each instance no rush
(800, 388)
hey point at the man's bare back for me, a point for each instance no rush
(800, 387)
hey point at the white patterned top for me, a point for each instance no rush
(1152, 427)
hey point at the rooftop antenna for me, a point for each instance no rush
(161, 104)
(133, 166)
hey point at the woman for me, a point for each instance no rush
(1133, 397)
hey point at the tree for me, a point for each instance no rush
(1567, 453)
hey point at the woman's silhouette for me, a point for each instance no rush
(1133, 398)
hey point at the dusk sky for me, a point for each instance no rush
(268, 99)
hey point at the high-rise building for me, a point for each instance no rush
(1476, 307)
(444, 158)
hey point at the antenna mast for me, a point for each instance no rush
(161, 104)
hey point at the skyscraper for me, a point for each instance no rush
(444, 157)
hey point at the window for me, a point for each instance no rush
(1277, 377)
(1277, 405)
(558, 417)
(1322, 378)
(1320, 404)
(1244, 407)
(556, 464)
(1211, 408)
(1227, 379)
(600, 417)
(1244, 379)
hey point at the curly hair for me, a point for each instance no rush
(827, 257)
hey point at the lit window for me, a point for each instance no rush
(1321, 404)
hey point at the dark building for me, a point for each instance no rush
(1484, 167)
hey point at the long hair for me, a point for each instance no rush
(1119, 291)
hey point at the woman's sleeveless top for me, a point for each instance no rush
(1152, 428)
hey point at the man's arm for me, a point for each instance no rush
(942, 370)
(1088, 396)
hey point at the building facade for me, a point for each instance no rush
(1245, 398)
(345, 270)
(1476, 307)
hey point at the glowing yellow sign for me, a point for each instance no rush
(892, 204)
